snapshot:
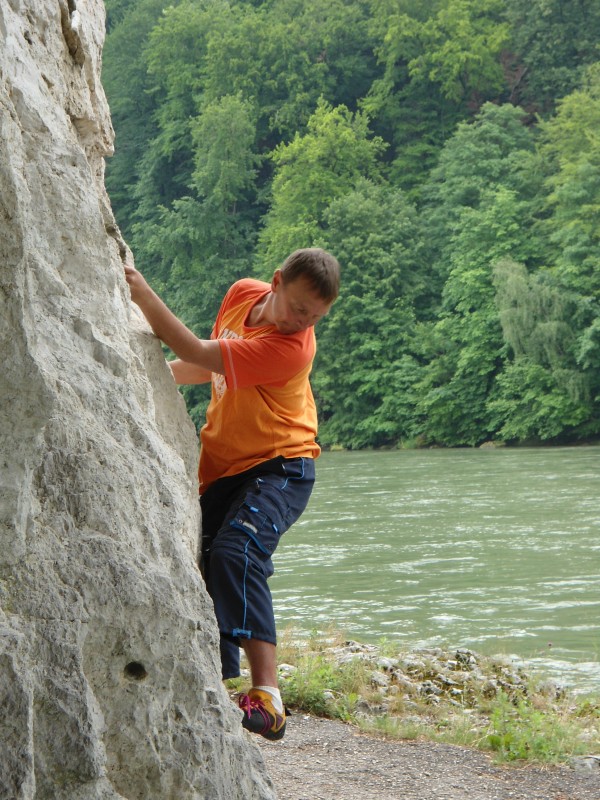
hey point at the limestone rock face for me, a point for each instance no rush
(109, 676)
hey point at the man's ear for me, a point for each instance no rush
(276, 280)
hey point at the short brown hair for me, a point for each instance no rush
(318, 267)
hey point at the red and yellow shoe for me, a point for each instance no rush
(260, 716)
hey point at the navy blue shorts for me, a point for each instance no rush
(243, 518)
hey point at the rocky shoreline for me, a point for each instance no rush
(458, 677)
(432, 688)
(324, 758)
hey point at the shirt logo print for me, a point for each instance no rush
(219, 382)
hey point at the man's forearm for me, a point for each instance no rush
(204, 353)
(186, 373)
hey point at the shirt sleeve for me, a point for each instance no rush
(269, 360)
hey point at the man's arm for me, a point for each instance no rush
(203, 353)
(184, 372)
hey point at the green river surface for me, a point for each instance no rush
(497, 550)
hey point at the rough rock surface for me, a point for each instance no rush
(109, 676)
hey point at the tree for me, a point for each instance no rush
(465, 351)
(311, 172)
(461, 47)
(364, 367)
(125, 79)
(555, 41)
(441, 61)
(175, 58)
(570, 148)
(204, 241)
(284, 56)
(494, 150)
(541, 393)
(479, 209)
(245, 129)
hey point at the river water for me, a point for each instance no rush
(497, 550)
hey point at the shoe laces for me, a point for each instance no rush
(250, 704)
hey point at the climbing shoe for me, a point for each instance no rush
(260, 716)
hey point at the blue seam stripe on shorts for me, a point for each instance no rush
(245, 574)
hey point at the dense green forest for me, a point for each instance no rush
(446, 151)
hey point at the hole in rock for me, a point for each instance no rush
(135, 671)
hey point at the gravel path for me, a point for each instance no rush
(322, 759)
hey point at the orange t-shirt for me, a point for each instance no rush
(263, 406)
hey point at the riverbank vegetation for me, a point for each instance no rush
(457, 697)
(446, 151)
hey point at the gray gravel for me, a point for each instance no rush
(323, 759)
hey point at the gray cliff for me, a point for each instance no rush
(109, 673)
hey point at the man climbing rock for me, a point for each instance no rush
(258, 447)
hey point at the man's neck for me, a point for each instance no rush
(259, 313)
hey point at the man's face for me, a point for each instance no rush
(296, 306)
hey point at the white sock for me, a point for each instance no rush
(275, 694)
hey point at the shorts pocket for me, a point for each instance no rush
(259, 526)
